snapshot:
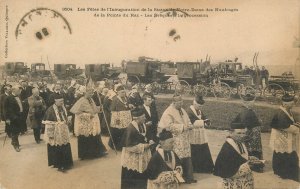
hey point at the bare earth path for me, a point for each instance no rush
(28, 169)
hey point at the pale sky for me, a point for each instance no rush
(267, 26)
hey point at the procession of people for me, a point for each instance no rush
(157, 151)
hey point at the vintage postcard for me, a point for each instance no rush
(223, 53)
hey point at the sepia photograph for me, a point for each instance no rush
(143, 94)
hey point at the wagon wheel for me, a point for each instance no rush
(290, 90)
(200, 89)
(273, 93)
(244, 90)
(222, 90)
(182, 87)
(155, 88)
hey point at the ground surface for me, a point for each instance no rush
(28, 169)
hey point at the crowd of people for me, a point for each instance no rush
(157, 151)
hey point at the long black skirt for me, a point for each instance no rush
(60, 156)
(286, 165)
(90, 147)
(132, 179)
(117, 137)
(201, 158)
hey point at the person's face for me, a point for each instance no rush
(35, 92)
(59, 102)
(58, 87)
(178, 102)
(239, 134)
(89, 93)
(288, 105)
(167, 144)
(149, 88)
(8, 90)
(148, 101)
(122, 93)
(24, 84)
(16, 91)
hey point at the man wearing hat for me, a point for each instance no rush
(3, 97)
(176, 120)
(135, 98)
(26, 90)
(283, 141)
(120, 117)
(37, 109)
(57, 135)
(136, 153)
(98, 98)
(14, 115)
(248, 118)
(164, 169)
(56, 90)
(201, 156)
(232, 161)
(87, 126)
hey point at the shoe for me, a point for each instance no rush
(191, 181)
(104, 153)
(62, 169)
(17, 148)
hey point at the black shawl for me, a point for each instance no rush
(228, 162)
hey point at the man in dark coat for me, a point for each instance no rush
(151, 117)
(3, 97)
(99, 99)
(57, 90)
(135, 154)
(14, 115)
(164, 169)
(37, 109)
(26, 90)
(135, 98)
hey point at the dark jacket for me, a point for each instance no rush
(14, 114)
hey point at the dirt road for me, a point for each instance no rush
(28, 169)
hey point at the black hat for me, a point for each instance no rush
(287, 98)
(57, 96)
(249, 97)
(120, 88)
(137, 112)
(164, 135)
(199, 99)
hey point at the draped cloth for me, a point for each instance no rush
(86, 121)
(282, 138)
(231, 165)
(284, 141)
(177, 121)
(57, 137)
(161, 173)
(135, 157)
(56, 128)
